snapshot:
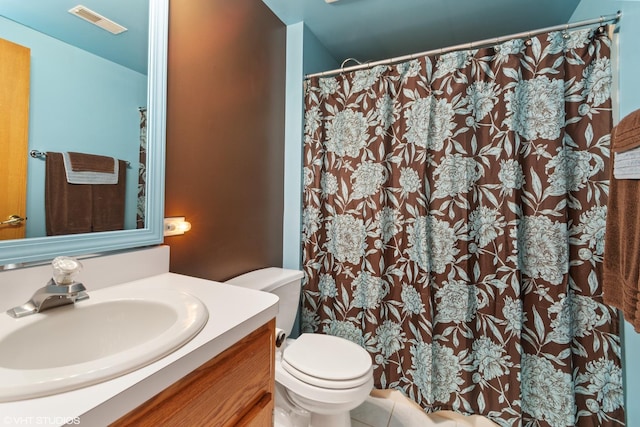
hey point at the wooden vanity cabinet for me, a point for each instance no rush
(235, 388)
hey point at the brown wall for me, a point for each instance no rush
(225, 136)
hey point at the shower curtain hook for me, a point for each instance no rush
(528, 42)
(350, 59)
(496, 44)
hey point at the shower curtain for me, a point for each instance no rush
(453, 226)
(142, 172)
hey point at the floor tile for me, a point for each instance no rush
(374, 412)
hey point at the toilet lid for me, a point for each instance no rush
(322, 359)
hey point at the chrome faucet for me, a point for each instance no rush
(62, 289)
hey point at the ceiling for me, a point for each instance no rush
(52, 18)
(378, 29)
(363, 29)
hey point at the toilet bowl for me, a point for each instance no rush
(319, 378)
(325, 375)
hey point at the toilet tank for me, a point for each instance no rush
(284, 283)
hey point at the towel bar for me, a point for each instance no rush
(41, 155)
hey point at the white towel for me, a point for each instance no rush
(88, 177)
(622, 175)
(626, 174)
(634, 153)
(626, 165)
(626, 160)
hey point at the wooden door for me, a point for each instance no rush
(14, 136)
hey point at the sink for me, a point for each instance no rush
(117, 330)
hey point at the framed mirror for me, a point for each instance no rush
(38, 247)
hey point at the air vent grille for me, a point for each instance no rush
(97, 19)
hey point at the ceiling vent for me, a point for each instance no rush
(97, 19)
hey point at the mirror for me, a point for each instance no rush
(40, 248)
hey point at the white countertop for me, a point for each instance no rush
(234, 312)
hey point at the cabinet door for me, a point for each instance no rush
(260, 415)
(234, 388)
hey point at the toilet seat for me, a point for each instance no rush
(327, 361)
(324, 383)
(297, 389)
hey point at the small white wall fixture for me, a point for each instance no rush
(176, 225)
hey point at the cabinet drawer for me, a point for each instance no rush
(235, 387)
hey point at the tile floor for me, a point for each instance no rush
(390, 408)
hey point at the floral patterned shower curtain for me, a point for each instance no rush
(453, 226)
(142, 172)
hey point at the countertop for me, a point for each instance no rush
(234, 312)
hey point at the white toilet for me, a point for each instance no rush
(319, 378)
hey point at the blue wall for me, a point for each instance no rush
(291, 226)
(305, 55)
(629, 100)
(316, 57)
(78, 102)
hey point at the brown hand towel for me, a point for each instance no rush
(81, 162)
(82, 208)
(627, 133)
(621, 281)
(90, 169)
(67, 206)
(108, 203)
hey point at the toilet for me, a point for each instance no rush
(319, 378)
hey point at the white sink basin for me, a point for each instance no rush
(117, 330)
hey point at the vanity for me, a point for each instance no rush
(222, 376)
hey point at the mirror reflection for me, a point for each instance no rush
(17, 252)
(81, 89)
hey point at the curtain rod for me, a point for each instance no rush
(491, 41)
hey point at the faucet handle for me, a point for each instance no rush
(65, 269)
(62, 289)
